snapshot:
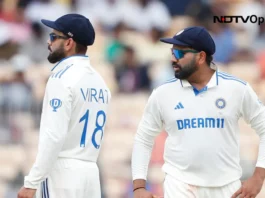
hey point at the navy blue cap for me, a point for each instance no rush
(195, 37)
(74, 26)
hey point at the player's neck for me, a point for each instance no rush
(201, 78)
(73, 53)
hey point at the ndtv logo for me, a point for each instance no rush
(238, 19)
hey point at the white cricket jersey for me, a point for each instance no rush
(73, 118)
(202, 147)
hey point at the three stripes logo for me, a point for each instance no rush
(179, 106)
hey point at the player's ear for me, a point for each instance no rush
(69, 44)
(202, 57)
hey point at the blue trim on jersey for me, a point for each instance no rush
(65, 70)
(216, 73)
(231, 76)
(67, 58)
(197, 92)
(234, 79)
(47, 189)
(43, 190)
(228, 77)
(169, 81)
(48, 194)
(57, 73)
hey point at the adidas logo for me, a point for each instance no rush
(179, 106)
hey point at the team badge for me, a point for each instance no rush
(220, 103)
(55, 104)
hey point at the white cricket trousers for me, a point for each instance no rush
(174, 188)
(71, 178)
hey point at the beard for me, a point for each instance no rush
(57, 55)
(185, 71)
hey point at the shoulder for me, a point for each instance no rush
(166, 88)
(167, 83)
(230, 79)
(60, 74)
(67, 76)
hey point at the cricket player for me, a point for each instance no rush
(199, 110)
(73, 118)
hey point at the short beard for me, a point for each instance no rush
(57, 55)
(187, 70)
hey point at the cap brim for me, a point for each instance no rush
(173, 41)
(50, 24)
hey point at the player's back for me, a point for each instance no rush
(90, 98)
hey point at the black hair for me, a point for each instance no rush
(80, 48)
(209, 59)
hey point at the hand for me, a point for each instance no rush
(26, 193)
(143, 193)
(250, 188)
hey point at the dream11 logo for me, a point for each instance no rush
(238, 19)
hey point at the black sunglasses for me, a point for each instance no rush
(54, 36)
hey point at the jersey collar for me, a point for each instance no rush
(68, 61)
(212, 83)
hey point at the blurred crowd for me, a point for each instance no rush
(130, 57)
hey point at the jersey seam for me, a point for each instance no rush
(242, 99)
(159, 109)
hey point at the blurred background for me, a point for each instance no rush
(128, 54)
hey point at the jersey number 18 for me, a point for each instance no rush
(98, 128)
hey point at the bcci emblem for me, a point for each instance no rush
(55, 104)
(220, 103)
